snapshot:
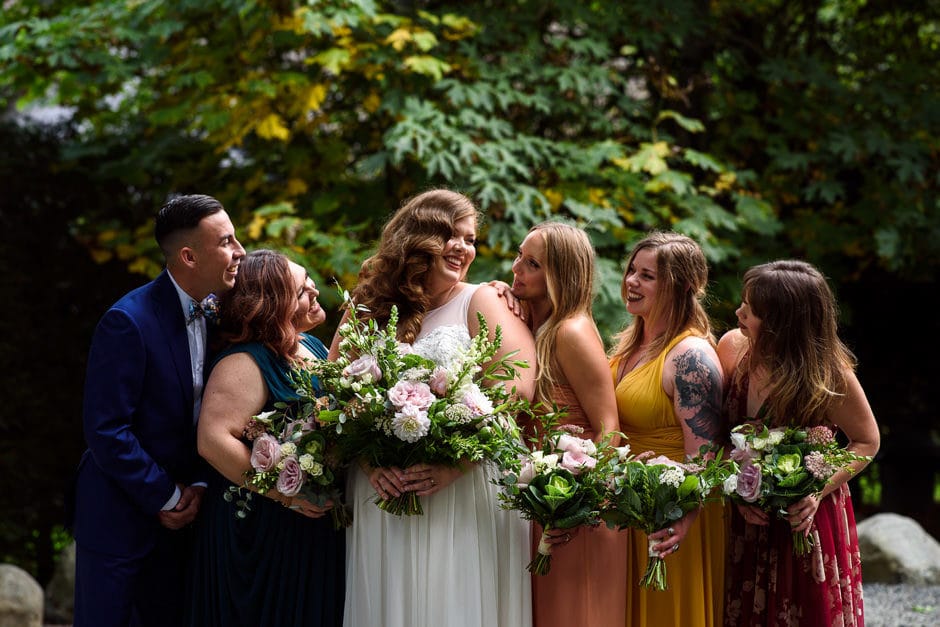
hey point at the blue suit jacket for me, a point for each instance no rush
(138, 421)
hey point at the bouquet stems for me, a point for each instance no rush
(341, 515)
(543, 557)
(802, 543)
(407, 504)
(655, 576)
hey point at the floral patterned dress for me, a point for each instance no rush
(767, 584)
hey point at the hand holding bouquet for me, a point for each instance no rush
(773, 468)
(391, 406)
(557, 486)
(290, 454)
(649, 493)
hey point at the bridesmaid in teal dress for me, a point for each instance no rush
(281, 565)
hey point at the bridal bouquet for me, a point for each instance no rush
(558, 487)
(772, 468)
(291, 454)
(390, 406)
(648, 493)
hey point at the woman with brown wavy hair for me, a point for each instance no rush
(280, 564)
(788, 367)
(461, 563)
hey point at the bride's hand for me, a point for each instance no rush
(426, 479)
(387, 482)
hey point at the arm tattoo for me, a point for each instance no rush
(698, 388)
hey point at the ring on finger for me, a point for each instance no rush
(675, 547)
(671, 531)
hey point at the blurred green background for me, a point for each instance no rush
(764, 130)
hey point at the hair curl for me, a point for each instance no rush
(261, 306)
(397, 274)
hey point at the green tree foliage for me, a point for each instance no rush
(312, 121)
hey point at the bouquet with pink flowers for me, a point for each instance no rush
(291, 454)
(648, 493)
(772, 468)
(557, 486)
(390, 404)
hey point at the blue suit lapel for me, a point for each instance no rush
(166, 306)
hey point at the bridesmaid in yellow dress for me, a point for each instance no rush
(553, 276)
(669, 391)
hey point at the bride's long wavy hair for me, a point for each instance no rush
(397, 274)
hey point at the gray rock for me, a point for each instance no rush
(60, 591)
(20, 598)
(896, 549)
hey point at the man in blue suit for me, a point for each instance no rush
(138, 485)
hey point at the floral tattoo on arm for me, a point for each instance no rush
(698, 389)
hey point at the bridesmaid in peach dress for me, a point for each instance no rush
(553, 276)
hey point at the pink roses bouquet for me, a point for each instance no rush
(389, 404)
(556, 486)
(291, 454)
(649, 493)
(772, 468)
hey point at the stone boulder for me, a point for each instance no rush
(60, 591)
(896, 549)
(20, 598)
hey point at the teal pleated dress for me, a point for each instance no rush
(274, 568)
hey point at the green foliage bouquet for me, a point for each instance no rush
(291, 454)
(649, 493)
(772, 468)
(390, 406)
(557, 486)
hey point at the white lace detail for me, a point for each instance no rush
(444, 345)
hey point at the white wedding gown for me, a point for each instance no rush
(462, 563)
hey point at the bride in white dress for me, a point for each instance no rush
(463, 562)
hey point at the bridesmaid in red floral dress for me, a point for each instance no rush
(553, 275)
(787, 365)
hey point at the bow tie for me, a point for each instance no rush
(208, 309)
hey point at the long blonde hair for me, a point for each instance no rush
(397, 273)
(798, 341)
(681, 279)
(569, 279)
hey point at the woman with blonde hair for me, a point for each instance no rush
(788, 367)
(668, 385)
(553, 275)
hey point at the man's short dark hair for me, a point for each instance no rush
(181, 214)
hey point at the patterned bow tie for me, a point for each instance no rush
(208, 309)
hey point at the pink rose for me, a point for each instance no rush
(414, 393)
(749, 480)
(291, 478)
(365, 366)
(265, 453)
(575, 444)
(576, 461)
(438, 381)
